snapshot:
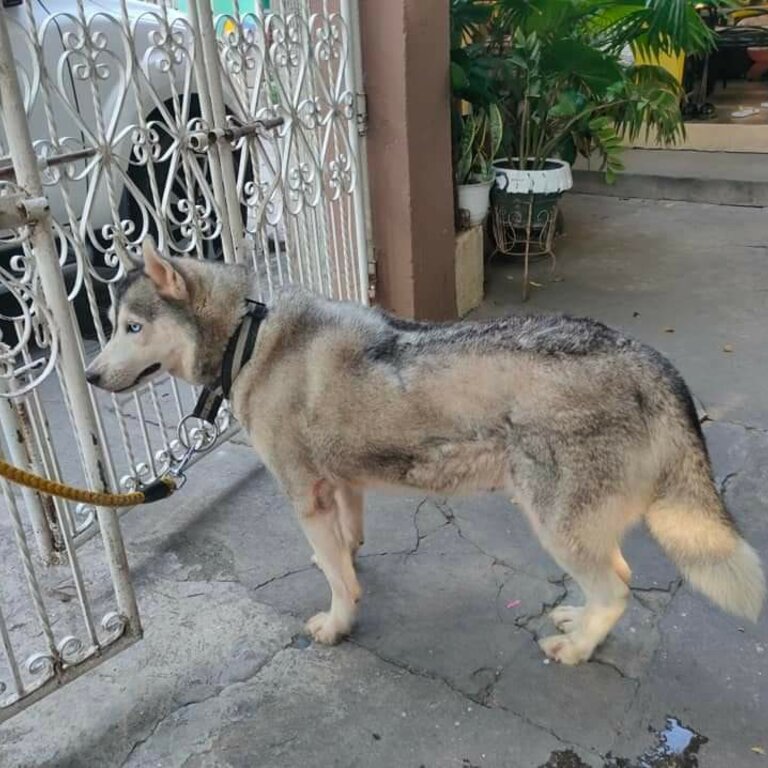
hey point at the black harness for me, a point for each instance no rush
(237, 354)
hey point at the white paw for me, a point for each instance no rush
(566, 617)
(564, 650)
(325, 629)
(313, 560)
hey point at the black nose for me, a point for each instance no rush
(92, 377)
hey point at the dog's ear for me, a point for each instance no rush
(169, 282)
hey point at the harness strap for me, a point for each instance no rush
(238, 352)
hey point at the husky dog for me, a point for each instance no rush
(587, 430)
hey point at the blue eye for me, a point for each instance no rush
(133, 327)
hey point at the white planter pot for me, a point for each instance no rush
(475, 198)
(554, 179)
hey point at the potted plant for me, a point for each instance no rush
(556, 70)
(481, 134)
(475, 115)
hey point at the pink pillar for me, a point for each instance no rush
(405, 70)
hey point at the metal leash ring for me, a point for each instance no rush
(204, 437)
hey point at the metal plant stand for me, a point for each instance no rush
(525, 225)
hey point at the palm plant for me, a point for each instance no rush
(555, 68)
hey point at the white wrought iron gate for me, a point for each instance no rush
(237, 138)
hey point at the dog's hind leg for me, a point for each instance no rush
(602, 579)
(350, 501)
(321, 520)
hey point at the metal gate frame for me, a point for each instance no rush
(47, 310)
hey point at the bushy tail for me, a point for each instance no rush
(703, 541)
(689, 518)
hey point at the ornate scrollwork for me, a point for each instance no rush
(302, 181)
(41, 665)
(114, 625)
(242, 43)
(141, 473)
(84, 46)
(168, 48)
(28, 323)
(341, 175)
(84, 516)
(71, 649)
(145, 144)
(166, 457)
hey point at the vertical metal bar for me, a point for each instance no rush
(214, 75)
(206, 110)
(163, 237)
(361, 202)
(72, 369)
(29, 571)
(14, 441)
(5, 641)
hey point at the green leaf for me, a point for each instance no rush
(459, 77)
(569, 104)
(652, 27)
(597, 70)
(607, 143)
(464, 164)
(496, 130)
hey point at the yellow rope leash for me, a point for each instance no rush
(160, 489)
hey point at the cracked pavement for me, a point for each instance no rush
(443, 668)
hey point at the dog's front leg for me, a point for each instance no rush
(320, 518)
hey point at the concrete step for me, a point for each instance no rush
(722, 178)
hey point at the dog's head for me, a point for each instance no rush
(153, 326)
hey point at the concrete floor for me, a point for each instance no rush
(737, 95)
(443, 669)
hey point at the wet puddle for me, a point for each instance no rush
(677, 746)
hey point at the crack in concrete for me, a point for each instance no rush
(221, 689)
(143, 740)
(707, 419)
(523, 621)
(616, 668)
(452, 519)
(670, 589)
(400, 552)
(726, 481)
(482, 698)
(281, 576)
(419, 535)
(485, 694)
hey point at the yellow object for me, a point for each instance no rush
(672, 63)
(745, 13)
(51, 487)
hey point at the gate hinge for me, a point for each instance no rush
(373, 274)
(19, 210)
(361, 98)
